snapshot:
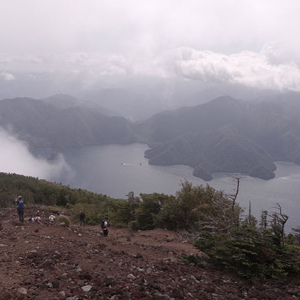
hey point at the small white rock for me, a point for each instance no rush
(86, 288)
(22, 291)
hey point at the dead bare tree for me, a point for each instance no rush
(278, 222)
(233, 198)
(263, 219)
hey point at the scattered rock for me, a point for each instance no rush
(110, 280)
(138, 255)
(22, 291)
(131, 276)
(86, 288)
(78, 263)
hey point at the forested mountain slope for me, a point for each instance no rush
(44, 125)
(227, 135)
(218, 150)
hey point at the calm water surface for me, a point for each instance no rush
(116, 170)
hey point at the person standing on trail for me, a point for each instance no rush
(104, 226)
(51, 219)
(20, 208)
(82, 218)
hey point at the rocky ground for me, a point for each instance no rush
(40, 261)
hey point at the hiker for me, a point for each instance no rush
(37, 217)
(31, 219)
(82, 218)
(51, 219)
(20, 208)
(104, 226)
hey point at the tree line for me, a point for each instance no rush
(232, 239)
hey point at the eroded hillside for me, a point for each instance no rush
(40, 261)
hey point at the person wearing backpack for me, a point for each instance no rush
(20, 208)
(82, 218)
(104, 226)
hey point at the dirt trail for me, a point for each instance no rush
(40, 261)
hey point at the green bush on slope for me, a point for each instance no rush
(233, 244)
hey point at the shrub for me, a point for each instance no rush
(64, 219)
(249, 252)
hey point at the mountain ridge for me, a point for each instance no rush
(270, 128)
(251, 135)
(44, 125)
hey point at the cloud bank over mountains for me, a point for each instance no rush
(266, 69)
(259, 70)
(255, 44)
(16, 158)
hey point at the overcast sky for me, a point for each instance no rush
(254, 43)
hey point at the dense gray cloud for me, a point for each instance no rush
(15, 158)
(248, 42)
(259, 70)
(125, 25)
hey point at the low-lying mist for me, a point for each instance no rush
(15, 157)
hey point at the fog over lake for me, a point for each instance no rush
(116, 170)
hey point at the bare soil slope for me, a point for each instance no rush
(40, 261)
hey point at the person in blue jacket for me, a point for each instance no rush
(20, 208)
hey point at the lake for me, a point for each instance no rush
(116, 170)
